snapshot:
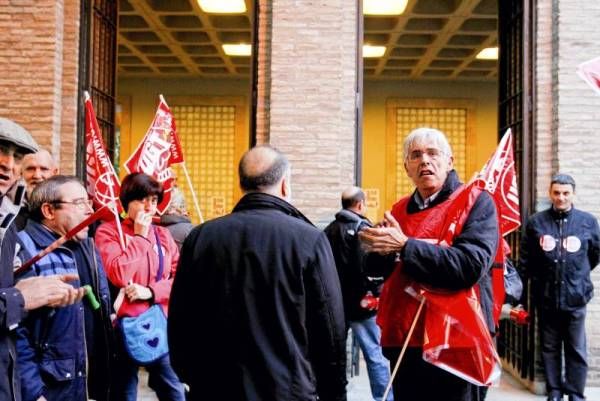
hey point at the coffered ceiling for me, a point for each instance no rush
(175, 37)
(432, 39)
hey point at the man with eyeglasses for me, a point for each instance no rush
(405, 246)
(64, 354)
(16, 300)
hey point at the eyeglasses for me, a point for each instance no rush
(81, 204)
(432, 153)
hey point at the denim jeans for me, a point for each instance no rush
(161, 378)
(368, 335)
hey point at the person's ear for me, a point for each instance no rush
(48, 211)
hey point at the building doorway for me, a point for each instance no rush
(198, 55)
(463, 67)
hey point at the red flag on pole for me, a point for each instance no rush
(159, 149)
(500, 180)
(102, 183)
(590, 73)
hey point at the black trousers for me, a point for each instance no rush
(418, 380)
(564, 330)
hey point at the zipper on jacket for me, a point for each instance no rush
(560, 264)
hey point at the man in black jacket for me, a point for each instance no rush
(559, 248)
(262, 287)
(31, 293)
(359, 291)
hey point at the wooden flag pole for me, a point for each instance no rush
(189, 181)
(404, 346)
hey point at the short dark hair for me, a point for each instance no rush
(563, 179)
(265, 179)
(355, 199)
(47, 191)
(137, 186)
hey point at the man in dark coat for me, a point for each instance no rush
(81, 333)
(359, 291)
(31, 293)
(560, 247)
(407, 246)
(262, 287)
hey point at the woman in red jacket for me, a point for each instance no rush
(134, 269)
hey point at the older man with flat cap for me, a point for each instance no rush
(28, 294)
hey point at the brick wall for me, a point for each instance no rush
(311, 101)
(568, 120)
(544, 122)
(39, 50)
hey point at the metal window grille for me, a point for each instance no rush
(517, 344)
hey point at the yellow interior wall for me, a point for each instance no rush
(376, 93)
(143, 97)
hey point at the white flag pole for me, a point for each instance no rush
(114, 211)
(187, 176)
(189, 181)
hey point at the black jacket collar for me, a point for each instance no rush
(556, 214)
(349, 216)
(450, 185)
(260, 200)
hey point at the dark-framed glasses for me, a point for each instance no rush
(82, 204)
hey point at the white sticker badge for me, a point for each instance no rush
(572, 244)
(547, 242)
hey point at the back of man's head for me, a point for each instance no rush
(563, 179)
(352, 197)
(262, 168)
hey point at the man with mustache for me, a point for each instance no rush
(406, 247)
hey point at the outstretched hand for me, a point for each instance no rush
(53, 291)
(387, 237)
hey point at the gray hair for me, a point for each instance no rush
(48, 191)
(426, 134)
(177, 205)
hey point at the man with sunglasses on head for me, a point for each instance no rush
(64, 354)
(16, 300)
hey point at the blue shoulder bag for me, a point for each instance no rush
(145, 336)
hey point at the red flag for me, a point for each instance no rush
(500, 181)
(159, 149)
(590, 73)
(102, 183)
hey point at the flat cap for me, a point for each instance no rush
(12, 132)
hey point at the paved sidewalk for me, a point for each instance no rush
(358, 389)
